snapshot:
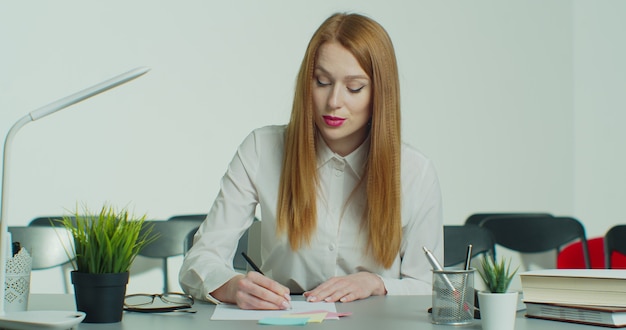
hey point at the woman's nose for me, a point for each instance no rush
(335, 99)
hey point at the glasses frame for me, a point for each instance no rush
(162, 296)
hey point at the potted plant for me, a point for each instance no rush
(105, 246)
(497, 305)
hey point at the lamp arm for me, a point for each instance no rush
(32, 116)
(87, 93)
(4, 232)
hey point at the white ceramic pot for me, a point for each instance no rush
(497, 310)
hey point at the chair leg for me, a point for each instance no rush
(165, 277)
(67, 281)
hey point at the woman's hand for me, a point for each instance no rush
(348, 288)
(254, 291)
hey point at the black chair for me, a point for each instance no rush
(537, 233)
(171, 235)
(477, 218)
(249, 243)
(188, 243)
(457, 238)
(49, 221)
(239, 262)
(614, 241)
(198, 217)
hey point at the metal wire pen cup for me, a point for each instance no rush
(168, 302)
(453, 296)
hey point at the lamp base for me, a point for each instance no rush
(32, 320)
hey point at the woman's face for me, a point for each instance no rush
(341, 98)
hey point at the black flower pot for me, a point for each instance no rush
(100, 296)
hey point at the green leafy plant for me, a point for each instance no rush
(107, 242)
(496, 275)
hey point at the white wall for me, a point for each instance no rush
(517, 102)
(600, 113)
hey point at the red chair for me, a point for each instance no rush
(571, 257)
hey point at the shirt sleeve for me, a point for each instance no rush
(208, 264)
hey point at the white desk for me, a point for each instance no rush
(391, 312)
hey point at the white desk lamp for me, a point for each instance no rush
(43, 319)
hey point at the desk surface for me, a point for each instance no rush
(390, 312)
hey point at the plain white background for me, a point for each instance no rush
(519, 103)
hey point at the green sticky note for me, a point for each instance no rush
(284, 321)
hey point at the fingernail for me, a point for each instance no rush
(287, 296)
(327, 299)
(311, 299)
(286, 305)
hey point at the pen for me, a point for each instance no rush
(256, 268)
(251, 263)
(436, 266)
(468, 258)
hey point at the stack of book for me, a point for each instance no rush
(588, 296)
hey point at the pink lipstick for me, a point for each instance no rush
(333, 121)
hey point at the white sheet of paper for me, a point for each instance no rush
(232, 312)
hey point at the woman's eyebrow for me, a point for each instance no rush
(348, 77)
(358, 77)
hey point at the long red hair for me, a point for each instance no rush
(297, 204)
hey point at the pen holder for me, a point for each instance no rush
(453, 296)
(17, 281)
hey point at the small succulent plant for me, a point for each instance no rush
(496, 275)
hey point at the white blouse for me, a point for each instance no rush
(338, 247)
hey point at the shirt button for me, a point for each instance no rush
(338, 164)
(331, 247)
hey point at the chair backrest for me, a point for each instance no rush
(614, 244)
(169, 243)
(188, 243)
(239, 262)
(536, 233)
(48, 221)
(199, 216)
(171, 235)
(571, 256)
(457, 238)
(477, 218)
(49, 247)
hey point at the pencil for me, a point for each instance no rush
(251, 263)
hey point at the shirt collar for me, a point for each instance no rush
(356, 160)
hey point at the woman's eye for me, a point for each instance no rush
(355, 90)
(322, 82)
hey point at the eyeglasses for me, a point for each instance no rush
(169, 302)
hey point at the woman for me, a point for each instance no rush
(345, 206)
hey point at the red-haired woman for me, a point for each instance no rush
(345, 206)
